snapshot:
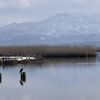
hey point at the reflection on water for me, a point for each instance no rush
(56, 79)
(53, 61)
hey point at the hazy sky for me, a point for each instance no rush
(34, 10)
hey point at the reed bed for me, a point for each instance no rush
(48, 51)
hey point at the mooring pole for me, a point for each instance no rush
(0, 78)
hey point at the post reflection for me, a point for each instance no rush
(22, 77)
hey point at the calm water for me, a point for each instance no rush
(70, 79)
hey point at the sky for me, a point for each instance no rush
(20, 11)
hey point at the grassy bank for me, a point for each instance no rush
(48, 51)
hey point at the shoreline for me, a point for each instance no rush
(35, 54)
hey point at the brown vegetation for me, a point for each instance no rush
(48, 51)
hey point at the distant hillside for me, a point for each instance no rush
(61, 29)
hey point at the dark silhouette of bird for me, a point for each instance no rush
(21, 70)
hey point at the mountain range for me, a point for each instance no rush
(61, 29)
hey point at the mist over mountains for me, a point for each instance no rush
(61, 29)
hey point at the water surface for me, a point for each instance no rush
(66, 79)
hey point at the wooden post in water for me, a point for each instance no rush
(23, 77)
(0, 78)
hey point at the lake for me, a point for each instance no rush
(56, 79)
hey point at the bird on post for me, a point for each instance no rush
(21, 70)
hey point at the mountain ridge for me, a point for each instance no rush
(69, 29)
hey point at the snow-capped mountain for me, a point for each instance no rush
(61, 29)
